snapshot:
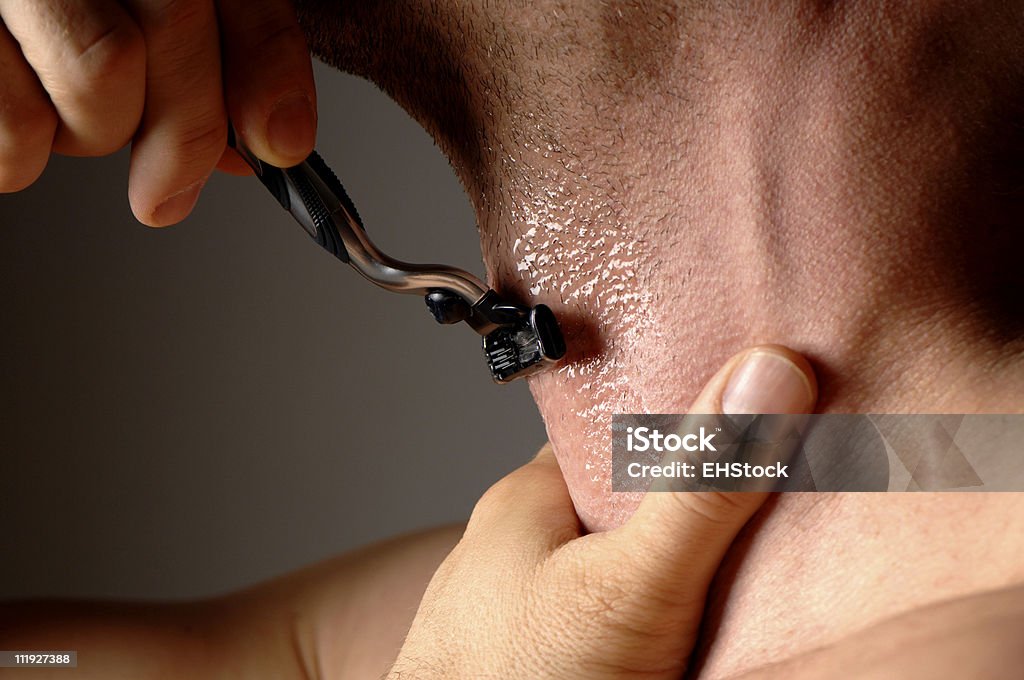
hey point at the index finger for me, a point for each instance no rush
(529, 508)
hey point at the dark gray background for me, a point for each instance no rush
(189, 410)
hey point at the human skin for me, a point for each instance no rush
(526, 591)
(529, 593)
(84, 78)
(678, 181)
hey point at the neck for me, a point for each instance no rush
(680, 182)
(860, 209)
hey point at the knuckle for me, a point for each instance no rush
(498, 496)
(112, 53)
(509, 490)
(504, 498)
(99, 87)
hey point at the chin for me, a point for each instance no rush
(577, 402)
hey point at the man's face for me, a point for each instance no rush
(536, 104)
(662, 173)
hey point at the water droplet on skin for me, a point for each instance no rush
(567, 243)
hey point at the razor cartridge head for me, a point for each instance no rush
(530, 345)
(518, 341)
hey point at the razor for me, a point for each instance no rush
(517, 341)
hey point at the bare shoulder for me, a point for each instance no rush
(344, 617)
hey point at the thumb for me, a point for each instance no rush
(684, 535)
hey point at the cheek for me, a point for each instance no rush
(607, 336)
(577, 403)
(577, 256)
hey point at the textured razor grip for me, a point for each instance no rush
(296, 190)
(308, 180)
(324, 230)
(317, 165)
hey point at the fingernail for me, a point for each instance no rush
(766, 382)
(291, 126)
(177, 206)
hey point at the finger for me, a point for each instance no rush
(682, 536)
(529, 508)
(184, 126)
(27, 119)
(90, 58)
(271, 98)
